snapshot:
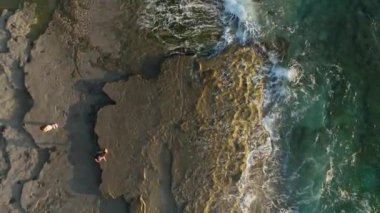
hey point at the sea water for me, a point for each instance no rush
(328, 132)
(321, 101)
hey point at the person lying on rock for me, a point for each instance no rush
(101, 156)
(48, 127)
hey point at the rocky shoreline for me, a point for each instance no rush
(159, 115)
(53, 171)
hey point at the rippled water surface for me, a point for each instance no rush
(331, 142)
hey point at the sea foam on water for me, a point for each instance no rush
(275, 91)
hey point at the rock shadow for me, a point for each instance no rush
(151, 66)
(80, 125)
(117, 205)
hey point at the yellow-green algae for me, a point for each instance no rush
(229, 113)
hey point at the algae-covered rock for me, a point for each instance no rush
(185, 26)
(229, 111)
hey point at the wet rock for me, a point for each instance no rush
(230, 117)
(191, 26)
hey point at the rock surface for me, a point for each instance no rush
(37, 173)
(63, 57)
(138, 131)
(21, 158)
(161, 118)
(178, 142)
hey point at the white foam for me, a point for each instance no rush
(247, 188)
(276, 93)
(290, 74)
(248, 27)
(243, 9)
(269, 123)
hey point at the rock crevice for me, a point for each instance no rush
(23, 158)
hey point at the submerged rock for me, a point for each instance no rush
(183, 26)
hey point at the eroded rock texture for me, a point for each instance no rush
(176, 131)
(182, 141)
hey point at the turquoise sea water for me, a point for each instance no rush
(331, 142)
